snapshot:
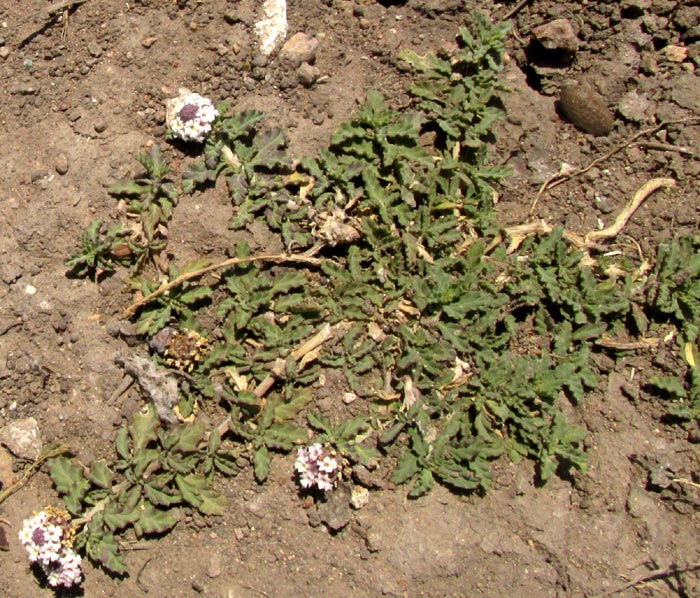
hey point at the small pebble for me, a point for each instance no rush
(61, 165)
(4, 52)
(100, 126)
(214, 567)
(147, 42)
(308, 74)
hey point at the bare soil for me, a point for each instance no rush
(84, 94)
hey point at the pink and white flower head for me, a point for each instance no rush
(48, 538)
(190, 116)
(318, 467)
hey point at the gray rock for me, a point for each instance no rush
(586, 109)
(94, 49)
(299, 48)
(214, 566)
(648, 64)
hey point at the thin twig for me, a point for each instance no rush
(659, 573)
(687, 482)
(515, 10)
(278, 258)
(48, 453)
(667, 147)
(562, 177)
(49, 11)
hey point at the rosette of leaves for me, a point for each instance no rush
(150, 198)
(155, 473)
(673, 299)
(100, 250)
(252, 162)
(269, 430)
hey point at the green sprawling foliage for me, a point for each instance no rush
(453, 351)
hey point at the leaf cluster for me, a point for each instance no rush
(155, 471)
(150, 199)
(100, 250)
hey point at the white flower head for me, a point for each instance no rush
(190, 116)
(317, 466)
(47, 537)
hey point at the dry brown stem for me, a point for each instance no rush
(591, 239)
(48, 453)
(280, 258)
(659, 573)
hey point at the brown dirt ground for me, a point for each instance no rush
(88, 93)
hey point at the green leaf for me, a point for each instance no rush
(69, 481)
(105, 551)
(318, 422)
(670, 385)
(100, 474)
(406, 468)
(122, 443)
(194, 294)
(153, 521)
(226, 463)
(188, 436)
(423, 485)
(196, 491)
(159, 497)
(261, 463)
(127, 189)
(116, 519)
(143, 429)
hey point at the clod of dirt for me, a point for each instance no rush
(685, 91)
(335, 511)
(586, 109)
(298, 49)
(308, 74)
(633, 106)
(632, 9)
(555, 43)
(22, 438)
(61, 164)
(7, 476)
(676, 53)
